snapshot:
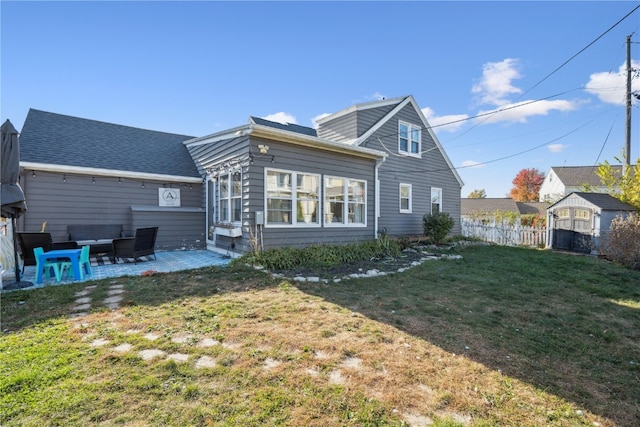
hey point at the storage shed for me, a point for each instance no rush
(578, 221)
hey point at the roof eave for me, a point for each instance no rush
(46, 167)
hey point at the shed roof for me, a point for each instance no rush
(56, 139)
(604, 201)
(487, 205)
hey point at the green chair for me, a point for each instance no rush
(47, 266)
(85, 264)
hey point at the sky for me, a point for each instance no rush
(505, 85)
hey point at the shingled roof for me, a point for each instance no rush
(57, 139)
(486, 205)
(605, 201)
(576, 176)
(291, 127)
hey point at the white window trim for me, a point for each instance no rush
(229, 198)
(439, 190)
(294, 200)
(345, 213)
(410, 128)
(410, 198)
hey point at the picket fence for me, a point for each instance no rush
(503, 233)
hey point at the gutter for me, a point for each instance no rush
(45, 167)
(379, 163)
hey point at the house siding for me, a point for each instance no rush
(353, 124)
(302, 159)
(430, 171)
(79, 201)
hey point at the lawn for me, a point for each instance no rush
(501, 337)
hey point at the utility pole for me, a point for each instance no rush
(627, 147)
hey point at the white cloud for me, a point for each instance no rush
(377, 96)
(556, 148)
(315, 119)
(611, 87)
(450, 123)
(520, 111)
(281, 117)
(471, 164)
(495, 84)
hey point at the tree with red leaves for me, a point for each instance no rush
(526, 185)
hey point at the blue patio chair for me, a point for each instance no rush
(47, 266)
(85, 264)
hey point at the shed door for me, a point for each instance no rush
(572, 230)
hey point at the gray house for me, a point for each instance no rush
(374, 167)
(578, 222)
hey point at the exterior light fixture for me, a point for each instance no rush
(264, 149)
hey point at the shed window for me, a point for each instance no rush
(563, 213)
(583, 214)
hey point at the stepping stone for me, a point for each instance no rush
(123, 348)
(115, 291)
(99, 343)
(116, 287)
(270, 363)
(335, 377)
(150, 354)
(181, 339)
(82, 293)
(351, 362)
(113, 299)
(205, 362)
(208, 342)
(152, 336)
(82, 307)
(84, 300)
(178, 357)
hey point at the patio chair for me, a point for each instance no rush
(47, 266)
(29, 241)
(142, 244)
(85, 264)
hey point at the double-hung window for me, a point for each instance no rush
(344, 201)
(292, 198)
(230, 197)
(405, 198)
(436, 200)
(409, 139)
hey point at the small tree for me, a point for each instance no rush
(437, 225)
(627, 183)
(478, 194)
(526, 185)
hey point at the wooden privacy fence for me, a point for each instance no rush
(503, 233)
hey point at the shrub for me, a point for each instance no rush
(622, 242)
(437, 225)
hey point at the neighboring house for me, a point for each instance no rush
(578, 221)
(562, 180)
(487, 207)
(374, 167)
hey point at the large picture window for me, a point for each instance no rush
(289, 190)
(230, 197)
(409, 139)
(405, 198)
(344, 201)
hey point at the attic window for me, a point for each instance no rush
(409, 139)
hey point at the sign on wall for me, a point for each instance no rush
(169, 197)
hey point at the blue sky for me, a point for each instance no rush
(196, 68)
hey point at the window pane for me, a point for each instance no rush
(356, 213)
(335, 212)
(237, 209)
(415, 147)
(237, 184)
(224, 210)
(404, 204)
(279, 211)
(224, 185)
(356, 191)
(307, 211)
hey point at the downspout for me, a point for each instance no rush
(379, 163)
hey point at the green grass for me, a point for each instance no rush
(503, 336)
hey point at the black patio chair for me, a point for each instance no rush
(29, 241)
(142, 244)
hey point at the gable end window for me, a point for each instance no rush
(405, 198)
(409, 139)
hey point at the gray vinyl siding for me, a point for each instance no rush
(301, 159)
(352, 125)
(423, 174)
(80, 201)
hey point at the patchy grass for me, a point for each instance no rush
(503, 336)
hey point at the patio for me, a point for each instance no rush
(165, 262)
